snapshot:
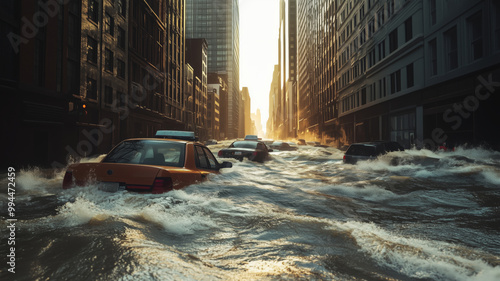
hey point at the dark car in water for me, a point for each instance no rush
(370, 150)
(253, 150)
(283, 146)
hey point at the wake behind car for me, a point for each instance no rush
(370, 150)
(171, 160)
(253, 150)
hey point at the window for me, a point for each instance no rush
(91, 88)
(393, 40)
(382, 88)
(381, 50)
(371, 57)
(371, 28)
(362, 37)
(109, 24)
(122, 7)
(475, 30)
(433, 56)
(390, 8)
(205, 159)
(121, 38)
(120, 68)
(93, 10)
(408, 29)
(91, 50)
(108, 95)
(396, 81)
(363, 95)
(362, 12)
(451, 48)
(432, 11)
(380, 17)
(108, 62)
(410, 80)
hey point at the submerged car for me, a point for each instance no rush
(150, 165)
(370, 150)
(283, 146)
(253, 150)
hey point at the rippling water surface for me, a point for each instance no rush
(412, 215)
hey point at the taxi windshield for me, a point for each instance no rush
(148, 152)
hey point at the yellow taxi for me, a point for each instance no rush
(170, 160)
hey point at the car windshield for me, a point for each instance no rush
(362, 150)
(148, 152)
(244, 144)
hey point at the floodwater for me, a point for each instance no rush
(302, 215)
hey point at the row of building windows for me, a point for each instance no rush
(93, 11)
(379, 89)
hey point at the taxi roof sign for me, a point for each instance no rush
(180, 135)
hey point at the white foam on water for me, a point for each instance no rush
(419, 258)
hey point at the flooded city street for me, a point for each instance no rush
(301, 215)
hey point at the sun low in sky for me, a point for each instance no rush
(259, 32)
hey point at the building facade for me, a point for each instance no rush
(218, 22)
(418, 72)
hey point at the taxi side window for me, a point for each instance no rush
(211, 159)
(201, 159)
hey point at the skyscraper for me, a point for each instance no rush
(218, 22)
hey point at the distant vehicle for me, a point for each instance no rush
(253, 150)
(316, 144)
(210, 142)
(268, 142)
(301, 142)
(252, 138)
(282, 146)
(148, 165)
(369, 150)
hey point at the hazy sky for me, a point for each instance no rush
(259, 23)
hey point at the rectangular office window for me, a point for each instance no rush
(122, 7)
(410, 77)
(121, 38)
(433, 56)
(432, 11)
(91, 50)
(371, 57)
(380, 17)
(362, 12)
(362, 37)
(120, 68)
(371, 28)
(363, 95)
(382, 87)
(108, 60)
(91, 88)
(390, 8)
(381, 50)
(393, 40)
(475, 32)
(93, 10)
(451, 48)
(108, 95)
(408, 29)
(396, 81)
(109, 24)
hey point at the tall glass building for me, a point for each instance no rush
(218, 22)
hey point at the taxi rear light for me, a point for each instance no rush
(220, 153)
(162, 185)
(68, 180)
